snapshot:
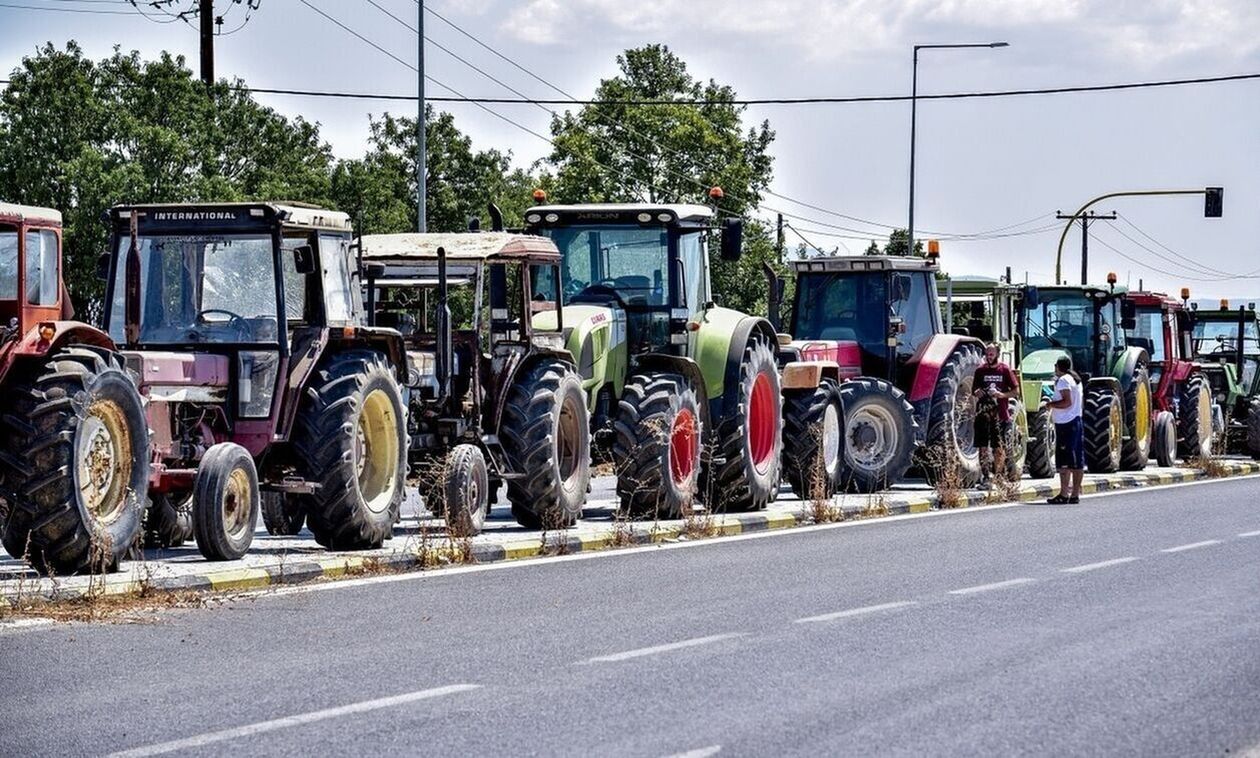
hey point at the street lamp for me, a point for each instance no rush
(914, 102)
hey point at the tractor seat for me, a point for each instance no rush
(405, 323)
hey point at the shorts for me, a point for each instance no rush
(991, 431)
(1069, 445)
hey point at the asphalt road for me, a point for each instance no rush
(1128, 624)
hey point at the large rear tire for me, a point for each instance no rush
(1138, 414)
(350, 439)
(1041, 442)
(813, 440)
(546, 434)
(656, 448)
(75, 458)
(951, 434)
(1104, 430)
(1194, 426)
(879, 434)
(747, 439)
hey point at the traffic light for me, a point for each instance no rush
(1213, 200)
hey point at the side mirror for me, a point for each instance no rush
(1128, 311)
(1032, 298)
(1128, 323)
(732, 239)
(102, 266)
(304, 259)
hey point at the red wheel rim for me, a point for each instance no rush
(763, 418)
(682, 447)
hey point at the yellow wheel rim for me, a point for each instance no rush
(103, 461)
(237, 504)
(376, 451)
(1142, 423)
(1205, 422)
(1117, 431)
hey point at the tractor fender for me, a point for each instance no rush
(1126, 364)
(33, 345)
(1039, 364)
(1109, 382)
(515, 368)
(719, 350)
(927, 362)
(378, 338)
(806, 375)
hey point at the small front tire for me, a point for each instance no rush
(225, 502)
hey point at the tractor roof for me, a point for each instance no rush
(615, 213)
(11, 212)
(459, 246)
(1161, 299)
(289, 213)
(1103, 288)
(864, 263)
(975, 286)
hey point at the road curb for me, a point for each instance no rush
(441, 552)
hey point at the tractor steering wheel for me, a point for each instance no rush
(598, 291)
(235, 321)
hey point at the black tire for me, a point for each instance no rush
(546, 434)
(1164, 439)
(879, 435)
(951, 423)
(226, 502)
(1104, 430)
(655, 412)
(813, 440)
(1135, 452)
(747, 441)
(1017, 442)
(168, 520)
(1041, 442)
(55, 411)
(1194, 422)
(465, 494)
(352, 397)
(1253, 429)
(282, 514)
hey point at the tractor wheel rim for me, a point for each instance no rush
(682, 447)
(870, 435)
(376, 451)
(1142, 422)
(568, 436)
(965, 417)
(237, 504)
(1205, 422)
(103, 461)
(830, 438)
(1117, 432)
(763, 422)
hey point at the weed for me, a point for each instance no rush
(1210, 466)
(945, 475)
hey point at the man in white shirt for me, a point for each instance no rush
(1065, 410)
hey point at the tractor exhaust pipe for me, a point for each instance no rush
(131, 284)
(1242, 334)
(443, 354)
(496, 218)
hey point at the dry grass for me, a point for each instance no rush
(947, 479)
(876, 507)
(821, 506)
(1211, 467)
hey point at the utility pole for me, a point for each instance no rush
(205, 11)
(421, 148)
(1085, 220)
(778, 237)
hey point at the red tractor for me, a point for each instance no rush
(73, 438)
(1184, 419)
(874, 326)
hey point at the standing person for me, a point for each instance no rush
(995, 384)
(1069, 452)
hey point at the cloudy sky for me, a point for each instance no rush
(983, 164)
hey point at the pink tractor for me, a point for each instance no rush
(265, 389)
(73, 439)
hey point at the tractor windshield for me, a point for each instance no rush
(633, 261)
(8, 263)
(200, 288)
(1149, 333)
(1221, 336)
(1074, 322)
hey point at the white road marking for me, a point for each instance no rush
(1249, 534)
(993, 586)
(701, 752)
(1099, 565)
(655, 649)
(1191, 546)
(857, 611)
(287, 722)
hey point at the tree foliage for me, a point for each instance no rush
(617, 151)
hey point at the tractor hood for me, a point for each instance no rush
(1039, 364)
(846, 354)
(591, 334)
(180, 377)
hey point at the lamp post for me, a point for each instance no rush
(914, 103)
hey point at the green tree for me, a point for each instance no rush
(614, 151)
(80, 136)
(379, 190)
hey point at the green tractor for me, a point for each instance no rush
(987, 308)
(684, 394)
(1227, 344)
(1088, 324)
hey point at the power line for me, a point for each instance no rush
(1177, 274)
(17, 6)
(1181, 259)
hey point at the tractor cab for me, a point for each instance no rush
(1085, 323)
(30, 281)
(1161, 328)
(883, 309)
(1226, 341)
